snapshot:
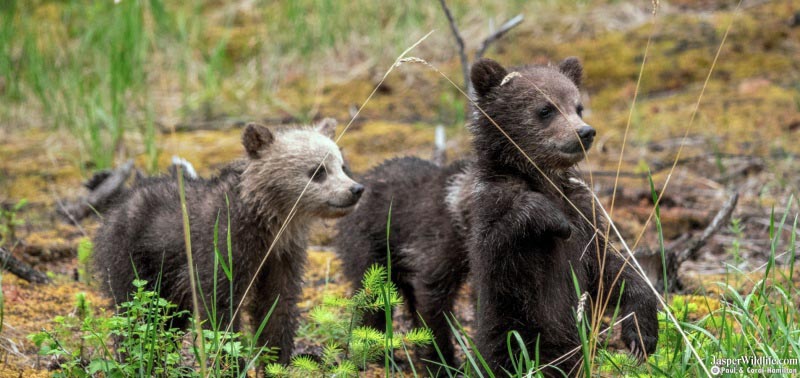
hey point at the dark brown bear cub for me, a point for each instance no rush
(429, 259)
(527, 238)
(143, 235)
(500, 217)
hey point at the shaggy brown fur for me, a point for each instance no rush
(500, 217)
(526, 239)
(143, 236)
(429, 259)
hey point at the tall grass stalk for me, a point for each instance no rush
(659, 232)
(387, 307)
(192, 282)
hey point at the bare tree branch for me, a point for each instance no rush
(461, 50)
(462, 54)
(510, 24)
(20, 269)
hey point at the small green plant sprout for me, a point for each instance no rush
(85, 249)
(346, 345)
(737, 229)
(9, 221)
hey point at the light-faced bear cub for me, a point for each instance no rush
(143, 234)
(510, 224)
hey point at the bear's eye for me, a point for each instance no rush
(547, 112)
(320, 174)
(579, 110)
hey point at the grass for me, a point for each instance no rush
(136, 68)
(111, 72)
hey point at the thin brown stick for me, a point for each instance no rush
(603, 305)
(753, 162)
(722, 217)
(190, 262)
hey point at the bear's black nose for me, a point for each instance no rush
(586, 132)
(357, 189)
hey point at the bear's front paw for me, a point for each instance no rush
(562, 229)
(640, 346)
(556, 224)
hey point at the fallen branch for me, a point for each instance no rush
(752, 163)
(20, 269)
(693, 246)
(103, 189)
(45, 253)
(682, 250)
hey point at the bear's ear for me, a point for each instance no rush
(485, 75)
(327, 127)
(572, 68)
(255, 138)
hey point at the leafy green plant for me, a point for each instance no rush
(146, 342)
(346, 345)
(139, 341)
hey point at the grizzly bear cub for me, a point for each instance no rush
(142, 237)
(507, 220)
(429, 258)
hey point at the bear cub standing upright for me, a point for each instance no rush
(533, 229)
(143, 234)
(504, 218)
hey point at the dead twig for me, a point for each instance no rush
(45, 253)
(20, 269)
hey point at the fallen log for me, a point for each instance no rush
(20, 269)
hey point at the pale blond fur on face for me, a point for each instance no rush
(284, 163)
